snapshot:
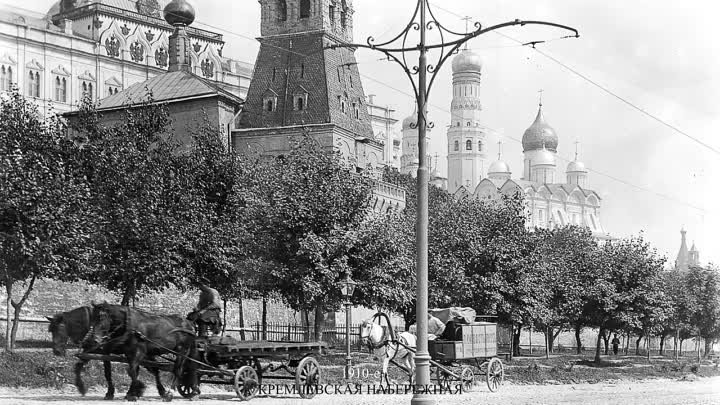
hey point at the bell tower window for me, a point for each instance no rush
(468, 145)
(343, 14)
(304, 8)
(457, 146)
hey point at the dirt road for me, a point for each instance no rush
(701, 391)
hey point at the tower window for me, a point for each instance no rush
(342, 106)
(274, 73)
(304, 8)
(468, 145)
(458, 123)
(269, 105)
(343, 15)
(468, 124)
(480, 146)
(112, 90)
(300, 104)
(457, 146)
(300, 101)
(282, 10)
(331, 14)
(87, 89)
(302, 71)
(357, 111)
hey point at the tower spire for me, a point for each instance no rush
(577, 144)
(467, 20)
(500, 150)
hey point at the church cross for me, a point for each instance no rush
(541, 94)
(577, 145)
(500, 150)
(467, 20)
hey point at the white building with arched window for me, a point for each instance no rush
(97, 48)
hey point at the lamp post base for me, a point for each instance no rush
(423, 399)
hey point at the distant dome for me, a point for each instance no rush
(576, 166)
(179, 12)
(467, 61)
(410, 122)
(543, 157)
(540, 135)
(499, 167)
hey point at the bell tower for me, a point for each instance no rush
(299, 80)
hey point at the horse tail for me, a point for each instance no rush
(391, 331)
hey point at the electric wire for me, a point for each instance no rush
(442, 109)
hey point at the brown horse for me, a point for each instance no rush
(138, 335)
(73, 326)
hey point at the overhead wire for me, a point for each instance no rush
(442, 109)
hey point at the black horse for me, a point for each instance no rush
(138, 335)
(73, 326)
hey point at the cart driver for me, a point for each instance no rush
(435, 327)
(206, 314)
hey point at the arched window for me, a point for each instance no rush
(343, 14)
(480, 146)
(5, 78)
(331, 14)
(282, 10)
(269, 105)
(458, 123)
(468, 145)
(304, 8)
(468, 124)
(58, 84)
(457, 146)
(34, 84)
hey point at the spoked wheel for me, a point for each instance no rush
(443, 378)
(185, 391)
(307, 376)
(246, 383)
(467, 378)
(495, 374)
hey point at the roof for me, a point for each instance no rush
(166, 87)
(152, 8)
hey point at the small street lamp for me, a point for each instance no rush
(347, 288)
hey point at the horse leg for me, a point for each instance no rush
(78, 379)
(386, 362)
(110, 394)
(136, 386)
(165, 394)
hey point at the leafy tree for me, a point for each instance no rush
(626, 294)
(140, 187)
(44, 225)
(305, 212)
(704, 284)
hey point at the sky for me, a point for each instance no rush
(658, 55)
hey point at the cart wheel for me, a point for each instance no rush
(495, 374)
(307, 376)
(185, 391)
(467, 378)
(246, 383)
(443, 378)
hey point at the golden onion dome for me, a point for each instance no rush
(540, 135)
(499, 167)
(467, 61)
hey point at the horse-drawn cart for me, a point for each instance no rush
(475, 343)
(244, 364)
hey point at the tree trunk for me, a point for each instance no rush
(677, 335)
(264, 318)
(598, 344)
(578, 341)
(647, 344)
(17, 308)
(306, 318)
(708, 348)
(320, 323)
(224, 317)
(637, 345)
(627, 344)
(681, 344)
(516, 340)
(8, 290)
(662, 344)
(553, 338)
(128, 294)
(241, 318)
(548, 335)
(606, 341)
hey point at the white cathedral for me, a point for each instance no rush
(551, 200)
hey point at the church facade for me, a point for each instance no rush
(552, 200)
(97, 48)
(302, 84)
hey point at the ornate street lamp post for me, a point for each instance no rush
(397, 50)
(347, 288)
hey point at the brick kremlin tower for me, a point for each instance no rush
(302, 85)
